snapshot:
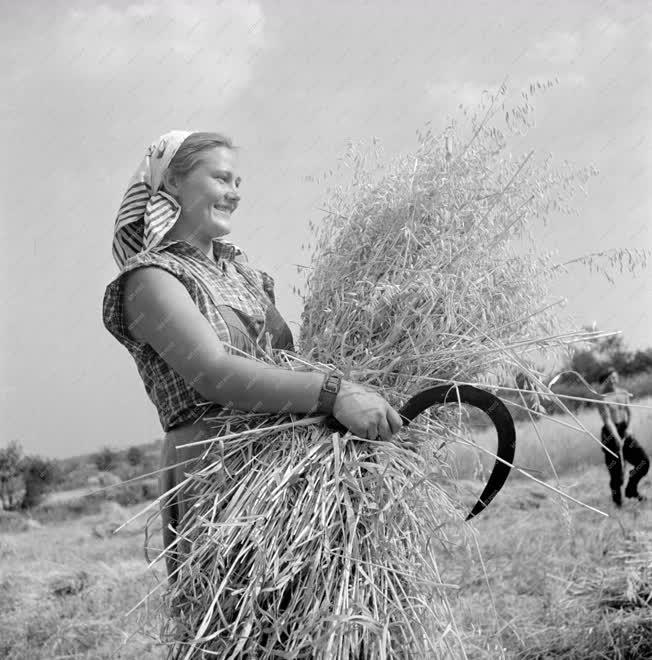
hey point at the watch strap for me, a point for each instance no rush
(329, 390)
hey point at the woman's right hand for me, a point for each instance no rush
(365, 413)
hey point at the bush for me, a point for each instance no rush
(640, 385)
(106, 459)
(609, 352)
(134, 456)
(11, 479)
(38, 475)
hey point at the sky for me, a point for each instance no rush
(88, 86)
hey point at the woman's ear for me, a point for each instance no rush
(169, 183)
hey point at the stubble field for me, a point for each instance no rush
(548, 578)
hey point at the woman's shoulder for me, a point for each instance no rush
(156, 258)
(117, 293)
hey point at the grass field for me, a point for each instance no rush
(65, 590)
(555, 580)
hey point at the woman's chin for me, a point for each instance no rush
(221, 228)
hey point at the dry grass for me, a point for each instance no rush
(65, 592)
(557, 582)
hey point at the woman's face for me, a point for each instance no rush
(208, 195)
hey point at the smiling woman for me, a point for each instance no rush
(194, 318)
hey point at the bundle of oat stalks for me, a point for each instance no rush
(307, 544)
(312, 544)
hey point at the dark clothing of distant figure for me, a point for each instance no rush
(632, 452)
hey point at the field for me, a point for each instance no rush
(66, 587)
(555, 579)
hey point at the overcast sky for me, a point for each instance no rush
(88, 86)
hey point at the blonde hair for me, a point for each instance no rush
(189, 154)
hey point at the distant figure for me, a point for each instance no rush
(616, 420)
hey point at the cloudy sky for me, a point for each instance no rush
(88, 86)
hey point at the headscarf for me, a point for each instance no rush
(146, 213)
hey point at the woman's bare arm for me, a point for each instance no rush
(159, 311)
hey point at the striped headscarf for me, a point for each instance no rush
(146, 213)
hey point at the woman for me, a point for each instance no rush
(192, 314)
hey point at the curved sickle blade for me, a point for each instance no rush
(497, 412)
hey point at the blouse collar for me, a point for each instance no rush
(221, 250)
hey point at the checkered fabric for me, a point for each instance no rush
(218, 290)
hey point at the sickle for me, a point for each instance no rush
(489, 404)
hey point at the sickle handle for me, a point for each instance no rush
(489, 404)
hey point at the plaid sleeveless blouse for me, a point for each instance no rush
(236, 299)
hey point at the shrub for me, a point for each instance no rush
(105, 460)
(134, 456)
(38, 474)
(11, 479)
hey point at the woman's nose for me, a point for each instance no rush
(233, 196)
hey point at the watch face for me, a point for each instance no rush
(331, 384)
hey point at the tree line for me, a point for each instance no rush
(25, 480)
(610, 352)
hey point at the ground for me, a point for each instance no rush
(557, 580)
(65, 590)
(552, 579)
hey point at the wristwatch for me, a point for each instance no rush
(328, 393)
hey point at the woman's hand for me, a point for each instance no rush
(365, 413)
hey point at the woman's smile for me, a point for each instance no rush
(222, 214)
